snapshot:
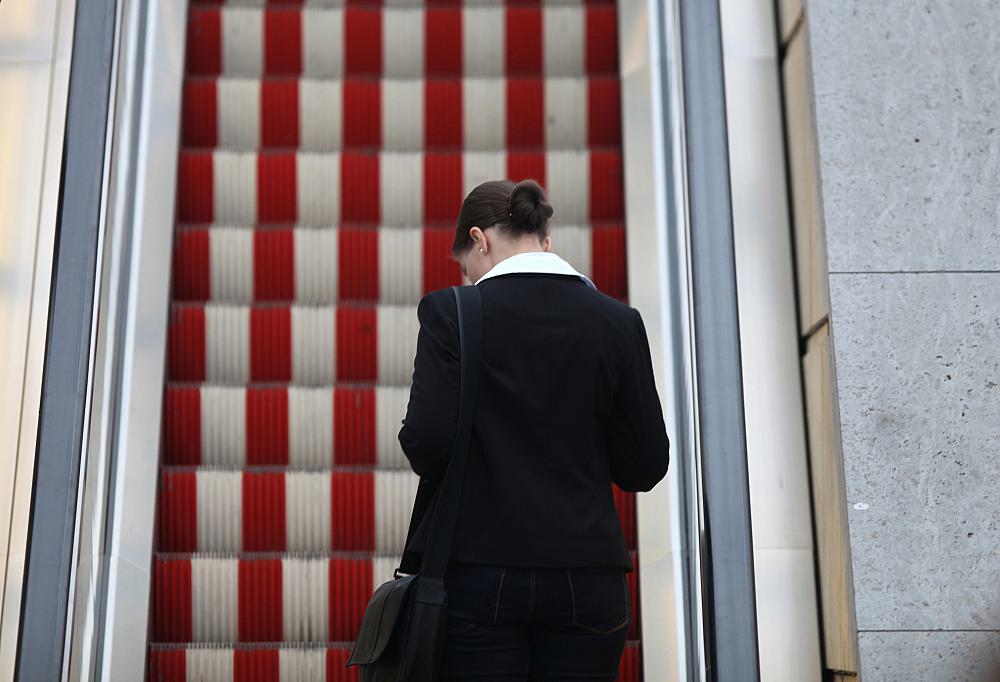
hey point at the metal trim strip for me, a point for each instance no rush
(658, 272)
(66, 374)
(730, 610)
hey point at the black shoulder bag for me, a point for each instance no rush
(402, 633)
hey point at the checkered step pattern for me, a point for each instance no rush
(325, 150)
(404, 114)
(307, 427)
(390, 188)
(268, 598)
(403, 39)
(273, 663)
(302, 344)
(279, 509)
(381, 264)
(275, 616)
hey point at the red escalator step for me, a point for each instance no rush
(199, 124)
(277, 195)
(362, 117)
(177, 512)
(608, 261)
(256, 665)
(167, 665)
(357, 344)
(606, 187)
(602, 38)
(359, 188)
(358, 263)
(604, 116)
(630, 667)
(271, 344)
(195, 187)
(260, 602)
(204, 40)
(350, 588)
(187, 344)
(362, 41)
(191, 265)
(172, 600)
(523, 36)
(336, 666)
(443, 40)
(279, 113)
(273, 265)
(525, 112)
(443, 114)
(354, 426)
(442, 186)
(267, 426)
(525, 165)
(182, 425)
(263, 512)
(282, 42)
(352, 498)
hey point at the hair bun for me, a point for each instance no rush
(528, 207)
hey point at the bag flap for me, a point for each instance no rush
(379, 621)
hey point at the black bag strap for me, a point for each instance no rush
(442, 529)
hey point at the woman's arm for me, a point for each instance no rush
(636, 434)
(429, 427)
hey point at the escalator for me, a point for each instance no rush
(325, 151)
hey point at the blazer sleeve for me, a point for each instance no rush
(429, 428)
(636, 433)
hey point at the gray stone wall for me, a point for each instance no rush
(906, 100)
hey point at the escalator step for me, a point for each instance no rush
(261, 598)
(402, 114)
(385, 188)
(301, 426)
(273, 663)
(251, 510)
(411, 41)
(330, 264)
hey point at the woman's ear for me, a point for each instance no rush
(478, 237)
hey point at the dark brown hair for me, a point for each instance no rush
(514, 208)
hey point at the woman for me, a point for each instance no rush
(567, 405)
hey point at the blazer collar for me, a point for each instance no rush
(535, 261)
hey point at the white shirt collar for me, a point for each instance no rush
(535, 261)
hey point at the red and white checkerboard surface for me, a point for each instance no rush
(218, 612)
(325, 150)
(272, 663)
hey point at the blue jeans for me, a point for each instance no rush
(512, 624)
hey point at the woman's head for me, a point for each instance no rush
(498, 219)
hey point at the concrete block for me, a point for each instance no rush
(919, 394)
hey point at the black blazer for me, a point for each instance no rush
(567, 405)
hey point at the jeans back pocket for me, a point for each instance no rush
(600, 599)
(474, 592)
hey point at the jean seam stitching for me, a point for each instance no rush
(531, 605)
(496, 610)
(617, 627)
(572, 595)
